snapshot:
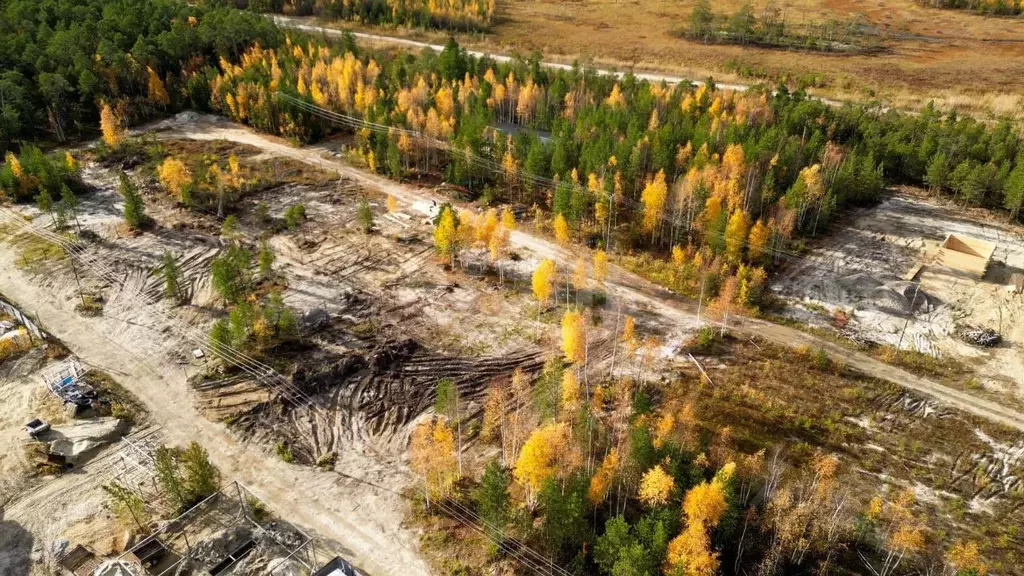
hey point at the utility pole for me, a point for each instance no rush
(700, 300)
(904, 331)
(74, 270)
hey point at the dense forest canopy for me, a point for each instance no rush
(774, 155)
(450, 14)
(60, 58)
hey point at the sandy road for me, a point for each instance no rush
(360, 521)
(623, 284)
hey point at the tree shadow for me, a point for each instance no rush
(15, 547)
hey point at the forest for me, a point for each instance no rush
(769, 28)
(59, 59)
(447, 14)
(994, 7)
(723, 181)
(707, 188)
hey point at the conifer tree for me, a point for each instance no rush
(172, 277)
(492, 500)
(134, 209)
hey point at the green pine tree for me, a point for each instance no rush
(199, 476)
(492, 499)
(168, 477)
(172, 277)
(134, 208)
(365, 216)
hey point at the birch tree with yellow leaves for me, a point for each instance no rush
(542, 282)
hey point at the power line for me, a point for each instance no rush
(231, 355)
(491, 165)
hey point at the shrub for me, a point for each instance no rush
(705, 338)
(259, 510)
(820, 360)
(283, 451)
(294, 216)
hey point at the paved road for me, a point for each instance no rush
(637, 291)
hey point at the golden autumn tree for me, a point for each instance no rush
(663, 428)
(690, 553)
(155, 91)
(574, 337)
(432, 456)
(487, 226)
(110, 126)
(615, 99)
(16, 170)
(539, 458)
(543, 281)
(579, 275)
(965, 559)
(678, 255)
(757, 240)
(560, 227)
(736, 235)
(495, 399)
(508, 219)
(628, 336)
(655, 487)
(497, 250)
(570, 393)
(446, 234)
(653, 198)
(600, 267)
(725, 303)
(175, 177)
(602, 479)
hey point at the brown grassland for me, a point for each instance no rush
(959, 59)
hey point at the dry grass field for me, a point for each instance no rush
(957, 58)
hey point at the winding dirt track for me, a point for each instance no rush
(626, 285)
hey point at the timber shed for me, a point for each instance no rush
(965, 255)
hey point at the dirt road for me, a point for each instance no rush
(653, 77)
(364, 522)
(637, 291)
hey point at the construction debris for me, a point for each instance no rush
(118, 568)
(36, 427)
(76, 441)
(65, 381)
(978, 336)
(241, 549)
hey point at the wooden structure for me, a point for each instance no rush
(79, 561)
(965, 255)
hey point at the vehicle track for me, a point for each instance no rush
(676, 310)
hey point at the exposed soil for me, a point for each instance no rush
(855, 268)
(396, 323)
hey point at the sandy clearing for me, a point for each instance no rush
(364, 520)
(880, 244)
(676, 311)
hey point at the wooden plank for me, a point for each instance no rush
(909, 276)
